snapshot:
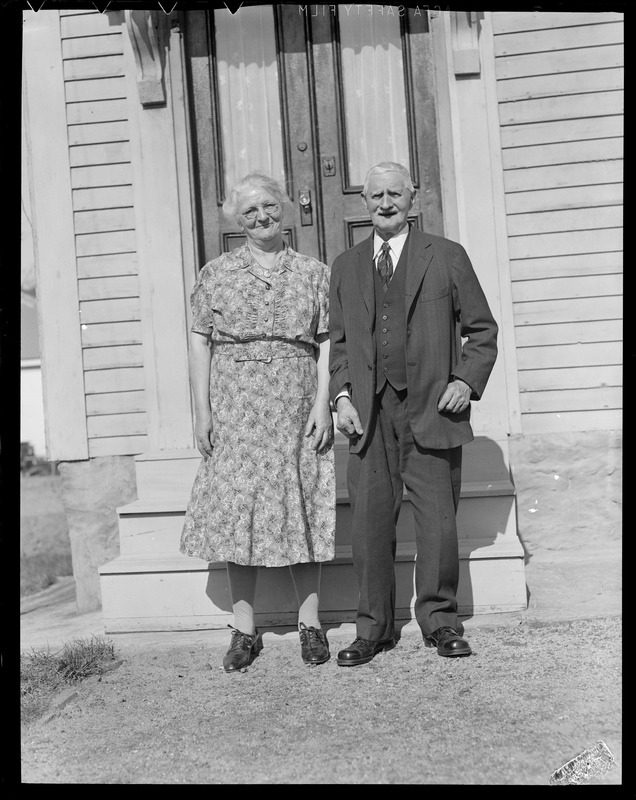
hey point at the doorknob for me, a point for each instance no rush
(304, 198)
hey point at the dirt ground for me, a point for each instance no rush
(529, 699)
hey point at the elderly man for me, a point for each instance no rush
(402, 382)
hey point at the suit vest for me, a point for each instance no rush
(390, 328)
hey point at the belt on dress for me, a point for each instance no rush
(263, 349)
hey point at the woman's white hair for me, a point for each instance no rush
(389, 166)
(255, 180)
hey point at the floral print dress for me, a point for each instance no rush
(264, 497)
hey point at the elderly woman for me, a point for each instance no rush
(264, 494)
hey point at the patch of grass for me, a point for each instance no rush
(43, 674)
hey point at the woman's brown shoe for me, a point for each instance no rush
(314, 647)
(242, 651)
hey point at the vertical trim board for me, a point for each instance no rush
(62, 374)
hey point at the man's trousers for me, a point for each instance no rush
(375, 479)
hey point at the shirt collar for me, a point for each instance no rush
(396, 242)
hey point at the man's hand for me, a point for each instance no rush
(204, 435)
(456, 398)
(348, 420)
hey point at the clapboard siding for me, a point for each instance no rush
(575, 309)
(562, 84)
(572, 219)
(98, 133)
(581, 354)
(563, 153)
(551, 177)
(75, 25)
(111, 334)
(117, 446)
(128, 355)
(551, 379)
(94, 90)
(89, 155)
(576, 241)
(115, 403)
(101, 197)
(124, 379)
(104, 175)
(105, 236)
(520, 22)
(572, 400)
(544, 109)
(574, 286)
(104, 220)
(116, 425)
(560, 98)
(90, 46)
(107, 265)
(602, 331)
(568, 197)
(108, 288)
(104, 243)
(573, 60)
(118, 310)
(558, 130)
(538, 39)
(98, 67)
(96, 111)
(567, 265)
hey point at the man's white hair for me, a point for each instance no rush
(389, 166)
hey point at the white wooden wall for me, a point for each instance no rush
(105, 236)
(560, 95)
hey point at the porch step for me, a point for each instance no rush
(182, 593)
(147, 527)
(151, 586)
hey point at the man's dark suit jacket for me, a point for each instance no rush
(444, 302)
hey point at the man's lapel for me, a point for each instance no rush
(364, 269)
(419, 256)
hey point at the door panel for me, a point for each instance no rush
(327, 96)
(403, 72)
(266, 125)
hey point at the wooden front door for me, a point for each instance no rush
(314, 95)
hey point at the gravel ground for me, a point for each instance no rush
(530, 698)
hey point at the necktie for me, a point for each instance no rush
(385, 265)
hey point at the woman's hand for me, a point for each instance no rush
(204, 435)
(320, 424)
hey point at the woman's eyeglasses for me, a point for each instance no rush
(268, 208)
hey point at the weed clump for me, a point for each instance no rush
(43, 673)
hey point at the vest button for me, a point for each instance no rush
(384, 344)
(385, 317)
(385, 305)
(384, 330)
(385, 356)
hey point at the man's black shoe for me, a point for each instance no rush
(448, 642)
(362, 651)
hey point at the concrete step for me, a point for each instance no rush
(151, 586)
(174, 592)
(149, 526)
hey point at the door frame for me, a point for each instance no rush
(309, 66)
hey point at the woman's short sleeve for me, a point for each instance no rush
(323, 300)
(201, 303)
